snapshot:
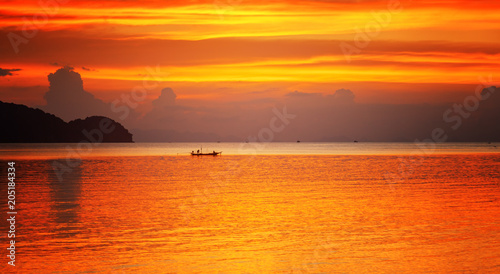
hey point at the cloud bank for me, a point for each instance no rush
(7, 72)
(67, 99)
(319, 117)
(334, 116)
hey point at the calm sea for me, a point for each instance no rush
(258, 208)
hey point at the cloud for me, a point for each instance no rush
(67, 99)
(164, 112)
(166, 98)
(344, 96)
(301, 94)
(7, 72)
(57, 64)
(319, 117)
(183, 119)
(482, 123)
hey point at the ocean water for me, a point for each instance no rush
(279, 208)
(83, 150)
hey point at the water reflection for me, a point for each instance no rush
(65, 186)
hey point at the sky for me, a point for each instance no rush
(219, 68)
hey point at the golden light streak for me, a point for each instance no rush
(318, 74)
(252, 20)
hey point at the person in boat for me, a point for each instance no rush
(192, 151)
(214, 151)
(198, 151)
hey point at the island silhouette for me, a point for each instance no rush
(22, 124)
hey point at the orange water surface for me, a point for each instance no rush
(257, 214)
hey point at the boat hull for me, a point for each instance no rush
(206, 154)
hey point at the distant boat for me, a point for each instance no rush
(355, 141)
(298, 141)
(200, 153)
(206, 154)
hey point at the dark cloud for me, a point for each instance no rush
(344, 96)
(323, 119)
(7, 72)
(301, 94)
(331, 117)
(67, 99)
(57, 64)
(172, 118)
(166, 98)
(482, 124)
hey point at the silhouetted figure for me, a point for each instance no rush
(198, 151)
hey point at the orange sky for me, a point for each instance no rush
(242, 49)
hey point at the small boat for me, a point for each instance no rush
(200, 153)
(206, 154)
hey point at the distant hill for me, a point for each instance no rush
(22, 124)
(112, 131)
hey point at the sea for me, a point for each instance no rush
(256, 208)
